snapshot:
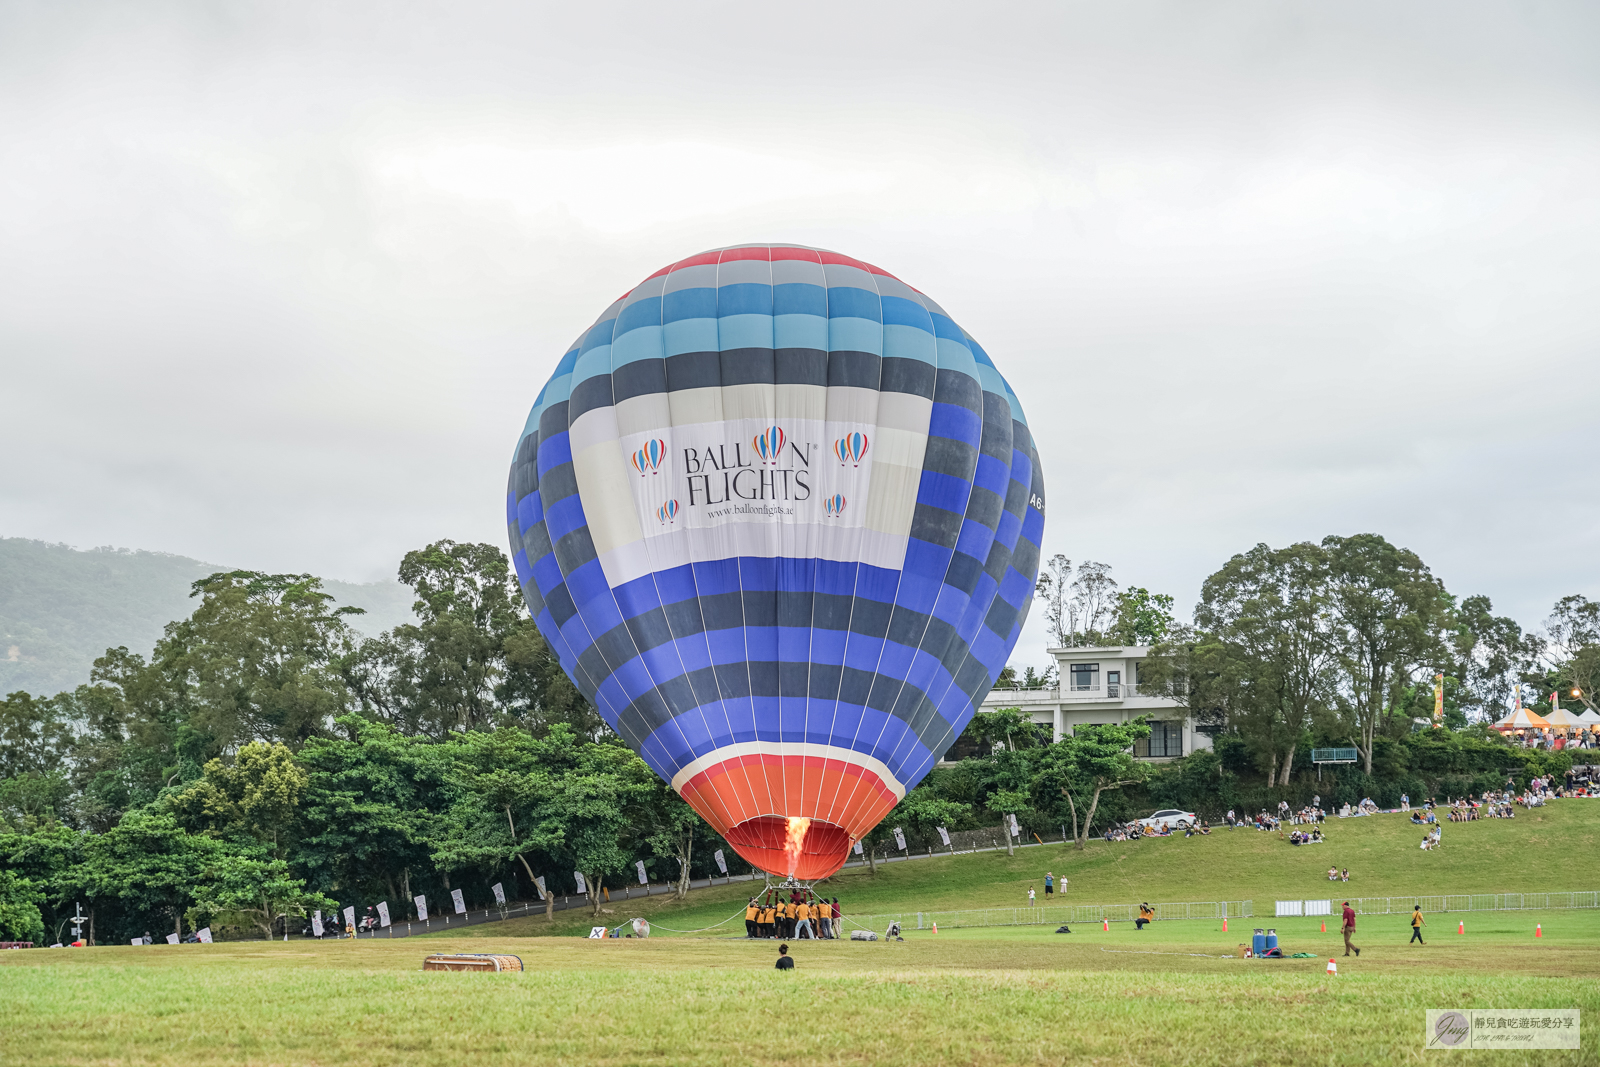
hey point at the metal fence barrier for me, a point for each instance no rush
(1225, 909)
(1475, 902)
(1053, 913)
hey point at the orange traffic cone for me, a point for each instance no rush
(1538, 929)
(1105, 924)
(1461, 926)
(1333, 968)
(1224, 925)
(935, 927)
(1324, 926)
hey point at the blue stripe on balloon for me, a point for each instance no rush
(799, 298)
(947, 330)
(860, 729)
(744, 298)
(956, 423)
(744, 331)
(639, 314)
(689, 304)
(905, 342)
(855, 335)
(800, 331)
(849, 302)
(898, 311)
(689, 335)
(641, 343)
(564, 516)
(553, 452)
(992, 475)
(943, 491)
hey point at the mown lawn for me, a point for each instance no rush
(1174, 993)
(1020, 995)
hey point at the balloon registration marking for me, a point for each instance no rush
(727, 609)
(851, 449)
(647, 460)
(769, 444)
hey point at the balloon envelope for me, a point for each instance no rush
(779, 517)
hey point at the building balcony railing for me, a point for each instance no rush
(1069, 693)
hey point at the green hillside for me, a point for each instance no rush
(60, 608)
(1550, 849)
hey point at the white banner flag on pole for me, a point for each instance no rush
(583, 887)
(722, 861)
(858, 848)
(383, 913)
(644, 879)
(204, 934)
(899, 839)
(459, 901)
(172, 939)
(350, 919)
(316, 923)
(422, 907)
(544, 894)
(499, 894)
(944, 835)
(1014, 831)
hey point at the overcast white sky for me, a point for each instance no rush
(279, 282)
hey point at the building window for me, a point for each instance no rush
(1166, 739)
(1085, 677)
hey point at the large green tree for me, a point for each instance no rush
(1086, 763)
(1263, 657)
(1392, 617)
(258, 660)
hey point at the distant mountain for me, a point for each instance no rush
(61, 608)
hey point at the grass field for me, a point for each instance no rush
(1550, 849)
(1171, 994)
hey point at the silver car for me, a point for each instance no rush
(1171, 818)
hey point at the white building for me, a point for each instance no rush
(1101, 685)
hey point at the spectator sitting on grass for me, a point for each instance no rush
(1333, 874)
(785, 961)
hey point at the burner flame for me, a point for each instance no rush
(793, 838)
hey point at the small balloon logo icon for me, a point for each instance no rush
(851, 448)
(768, 444)
(667, 512)
(835, 505)
(648, 459)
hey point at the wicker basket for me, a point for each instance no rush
(471, 961)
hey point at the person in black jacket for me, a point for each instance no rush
(785, 961)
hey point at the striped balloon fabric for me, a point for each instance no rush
(779, 517)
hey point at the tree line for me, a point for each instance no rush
(266, 760)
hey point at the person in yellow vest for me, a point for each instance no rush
(751, 915)
(766, 920)
(1147, 914)
(802, 925)
(1417, 923)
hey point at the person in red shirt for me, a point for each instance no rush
(1349, 928)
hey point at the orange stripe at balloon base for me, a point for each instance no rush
(763, 842)
(753, 799)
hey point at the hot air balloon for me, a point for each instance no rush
(791, 666)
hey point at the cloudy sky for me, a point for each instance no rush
(279, 282)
